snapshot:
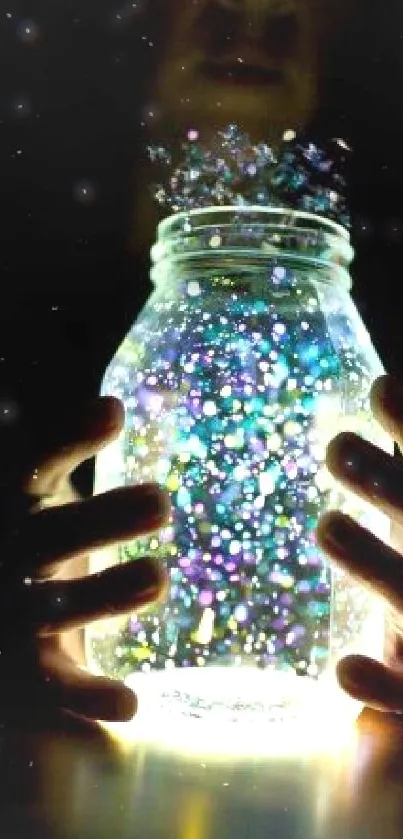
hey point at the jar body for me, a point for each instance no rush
(236, 375)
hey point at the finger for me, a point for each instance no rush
(69, 441)
(363, 555)
(58, 606)
(371, 682)
(387, 405)
(57, 534)
(368, 471)
(80, 692)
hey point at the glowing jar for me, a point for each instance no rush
(248, 357)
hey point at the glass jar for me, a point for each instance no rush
(248, 357)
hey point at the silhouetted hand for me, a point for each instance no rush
(46, 595)
(378, 478)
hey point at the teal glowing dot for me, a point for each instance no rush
(241, 613)
(183, 497)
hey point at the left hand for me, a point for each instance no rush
(46, 534)
(377, 477)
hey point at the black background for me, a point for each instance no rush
(73, 94)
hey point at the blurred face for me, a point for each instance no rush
(255, 62)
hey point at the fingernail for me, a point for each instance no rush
(344, 451)
(335, 529)
(152, 501)
(126, 705)
(94, 416)
(357, 460)
(389, 391)
(127, 587)
(144, 506)
(117, 705)
(144, 574)
(111, 705)
(356, 676)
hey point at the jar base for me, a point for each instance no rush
(242, 694)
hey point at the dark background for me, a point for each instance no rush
(73, 97)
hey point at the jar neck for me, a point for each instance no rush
(252, 236)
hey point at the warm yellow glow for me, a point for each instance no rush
(196, 815)
(204, 633)
(323, 721)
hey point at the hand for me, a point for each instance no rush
(46, 532)
(378, 478)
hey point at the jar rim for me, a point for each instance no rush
(175, 220)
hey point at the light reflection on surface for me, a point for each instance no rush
(325, 726)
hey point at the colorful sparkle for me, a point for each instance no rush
(247, 359)
(233, 171)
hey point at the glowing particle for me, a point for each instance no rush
(209, 408)
(291, 469)
(204, 632)
(21, 107)
(292, 428)
(279, 272)
(173, 483)
(206, 598)
(240, 472)
(193, 288)
(244, 170)
(274, 442)
(234, 547)
(323, 479)
(183, 498)
(240, 613)
(267, 482)
(84, 192)
(28, 31)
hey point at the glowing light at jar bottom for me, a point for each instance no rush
(240, 711)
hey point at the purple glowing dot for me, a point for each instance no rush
(206, 598)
